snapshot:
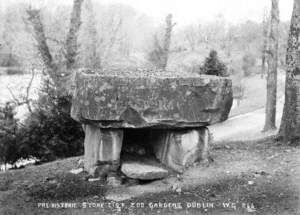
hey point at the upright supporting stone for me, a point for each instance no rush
(180, 149)
(101, 146)
(91, 142)
(204, 144)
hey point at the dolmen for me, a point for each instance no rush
(164, 114)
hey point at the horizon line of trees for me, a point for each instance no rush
(119, 35)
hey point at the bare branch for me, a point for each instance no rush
(55, 40)
(26, 99)
(16, 100)
(113, 38)
(34, 18)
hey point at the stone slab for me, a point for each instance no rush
(142, 99)
(143, 171)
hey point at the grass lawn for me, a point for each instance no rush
(255, 93)
(272, 188)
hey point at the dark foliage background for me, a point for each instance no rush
(47, 134)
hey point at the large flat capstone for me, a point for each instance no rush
(140, 99)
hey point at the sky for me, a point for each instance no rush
(194, 11)
(191, 11)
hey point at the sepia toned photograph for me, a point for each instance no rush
(141, 107)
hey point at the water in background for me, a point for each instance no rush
(17, 84)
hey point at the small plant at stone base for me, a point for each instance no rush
(213, 66)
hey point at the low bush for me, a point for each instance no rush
(8, 134)
(47, 134)
(50, 132)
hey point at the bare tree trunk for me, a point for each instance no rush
(228, 46)
(290, 123)
(93, 58)
(34, 17)
(270, 120)
(115, 28)
(71, 41)
(167, 41)
(266, 28)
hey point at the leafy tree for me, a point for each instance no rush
(47, 134)
(8, 127)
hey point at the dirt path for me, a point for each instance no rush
(245, 127)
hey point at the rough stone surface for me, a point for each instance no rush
(140, 99)
(143, 171)
(101, 145)
(180, 149)
(114, 180)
